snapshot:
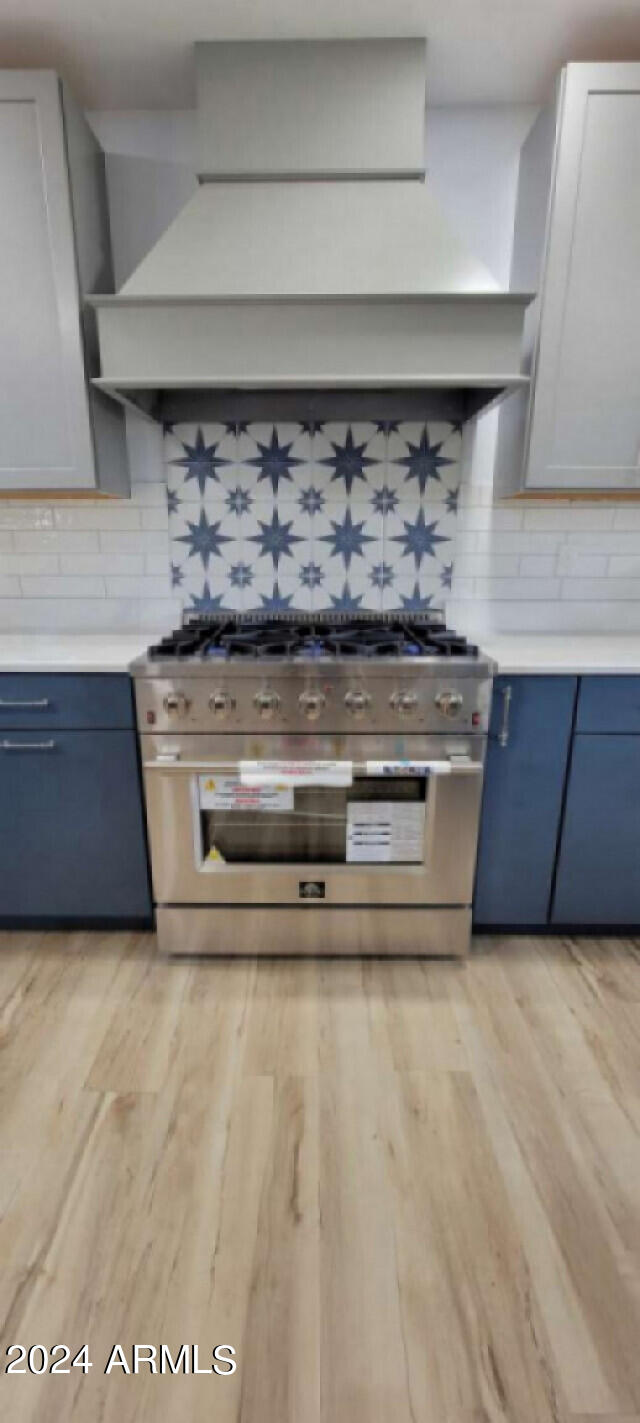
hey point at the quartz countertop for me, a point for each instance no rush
(611, 654)
(578, 653)
(71, 652)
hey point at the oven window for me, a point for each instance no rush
(375, 820)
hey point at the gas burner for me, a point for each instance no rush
(307, 637)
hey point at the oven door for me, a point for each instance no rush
(402, 838)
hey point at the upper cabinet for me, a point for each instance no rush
(56, 431)
(577, 243)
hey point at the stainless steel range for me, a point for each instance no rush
(313, 783)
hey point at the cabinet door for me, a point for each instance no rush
(45, 430)
(525, 771)
(72, 841)
(585, 417)
(598, 880)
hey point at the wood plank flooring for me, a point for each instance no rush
(405, 1192)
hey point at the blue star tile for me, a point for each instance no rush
(238, 501)
(173, 503)
(416, 602)
(419, 538)
(381, 575)
(348, 461)
(311, 575)
(347, 539)
(451, 501)
(200, 461)
(276, 600)
(446, 575)
(205, 602)
(424, 461)
(240, 575)
(275, 539)
(274, 461)
(311, 500)
(204, 539)
(344, 602)
(177, 575)
(385, 500)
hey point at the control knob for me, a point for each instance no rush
(266, 703)
(449, 703)
(312, 703)
(176, 704)
(357, 702)
(220, 703)
(404, 703)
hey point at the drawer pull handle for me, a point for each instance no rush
(507, 694)
(27, 745)
(38, 705)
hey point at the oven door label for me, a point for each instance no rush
(387, 832)
(229, 793)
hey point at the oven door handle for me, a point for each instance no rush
(462, 765)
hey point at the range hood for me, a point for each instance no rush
(313, 264)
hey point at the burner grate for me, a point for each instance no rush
(311, 636)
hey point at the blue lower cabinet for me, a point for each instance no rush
(598, 877)
(527, 754)
(72, 838)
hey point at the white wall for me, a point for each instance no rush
(553, 566)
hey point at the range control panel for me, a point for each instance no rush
(323, 702)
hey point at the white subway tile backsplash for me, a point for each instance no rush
(29, 563)
(63, 587)
(492, 518)
(6, 541)
(486, 565)
(156, 517)
(516, 589)
(139, 587)
(25, 516)
(627, 516)
(55, 541)
(77, 614)
(581, 563)
(626, 565)
(143, 541)
(88, 564)
(594, 589)
(536, 565)
(9, 586)
(104, 514)
(569, 518)
(517, 541)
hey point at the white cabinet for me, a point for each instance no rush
(577, 242)
(56, 432)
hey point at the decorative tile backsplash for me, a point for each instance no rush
(334, 515)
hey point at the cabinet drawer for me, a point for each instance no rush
(66, 701)
(609, 704)
(72, 841)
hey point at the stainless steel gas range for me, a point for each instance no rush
(313, 783)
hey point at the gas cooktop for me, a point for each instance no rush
(311, 636)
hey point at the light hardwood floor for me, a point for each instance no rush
(405, 1192)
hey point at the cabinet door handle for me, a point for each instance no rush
(27, 745)
(38, 705)
(503, 735)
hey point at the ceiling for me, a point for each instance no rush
(136, 54)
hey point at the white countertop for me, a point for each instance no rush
(71, 652)
(514, 652)
(578, 653)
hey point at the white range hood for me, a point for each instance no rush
(313, 259)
